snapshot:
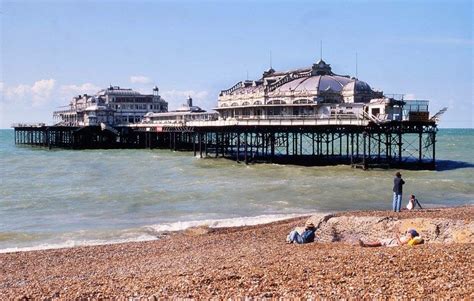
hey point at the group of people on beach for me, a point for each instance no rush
(411, 236)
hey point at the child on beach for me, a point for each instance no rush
(306, 237)
(412, 202)
(411, 238)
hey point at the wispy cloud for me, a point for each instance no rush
(71, 90)
(140, 79)
(182, 94)
(37, 94)
(44, 92)
(177, 97)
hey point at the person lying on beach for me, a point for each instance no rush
(412, 202)
(411, 238)
(306, 237)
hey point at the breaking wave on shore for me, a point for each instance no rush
(146, 233)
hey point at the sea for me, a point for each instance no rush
(65, 198)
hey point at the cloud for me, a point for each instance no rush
(180, 96)
(183, 94)
(18, 91)
(72, 90)
(44, 92)
(43, 88)
(37, 94)
(1, 86)
(409, 96)
(140, 79)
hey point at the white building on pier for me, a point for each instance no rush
(314, 93)
(111, 106)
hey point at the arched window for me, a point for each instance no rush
(276, 102)
(302, 101)
(258, 102)
(246, 103)
(223, 105)
(234, 104)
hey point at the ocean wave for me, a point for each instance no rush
(222, 223)
(78, 243)
(153, 232)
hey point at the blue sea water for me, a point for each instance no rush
(62, 198)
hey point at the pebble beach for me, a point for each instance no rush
(239, 262)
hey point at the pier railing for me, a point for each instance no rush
(28, 125)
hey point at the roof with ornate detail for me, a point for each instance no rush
(311, 83)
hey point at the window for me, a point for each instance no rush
(302, 101)
(276, 102)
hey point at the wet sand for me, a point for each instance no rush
(249, 261)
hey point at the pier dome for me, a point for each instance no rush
(357, 86)
(318, 84)
(315, 85)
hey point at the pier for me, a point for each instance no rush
(305, 116)
(389, 145)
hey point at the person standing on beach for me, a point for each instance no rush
(397, 192)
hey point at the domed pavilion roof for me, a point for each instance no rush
(357, 86)
(317, 83)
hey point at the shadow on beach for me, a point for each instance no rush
(445, 165)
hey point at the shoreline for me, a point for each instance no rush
(252, 261)
(158, 231)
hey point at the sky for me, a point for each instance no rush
(54, 50)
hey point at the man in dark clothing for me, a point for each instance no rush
(397, 192)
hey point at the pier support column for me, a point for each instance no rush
(206, 140)
(364, 162)
(200, 144)
(238, 147)
(400, 143)
(217, 145)
(245, 149)
(433, 138)
(420, 139)
(272, 146)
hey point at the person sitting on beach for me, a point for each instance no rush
(305, 237)
(411, 238)
(413, 202)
